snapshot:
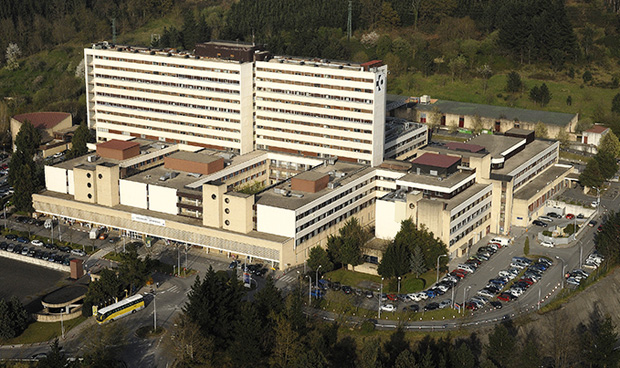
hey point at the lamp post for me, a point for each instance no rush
(563, 269)
(464, 292)
(62, 325)
(154, 312)
(309, 289)
(598, 201)
(398, 285)
(380, 293)
(5, 215)
(316, 279)
(441, 255)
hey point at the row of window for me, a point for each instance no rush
(173, 75)
(471, 217)
(172, 65)
(316, 125)
(335, 209)
(164, 102)
(332, 200)
(162, 92)
(314, 95)
(168, 112)
(315, 85)
(395, 149)
(471, 205)
(521, 181)
(167, 84)
(315, 75)
(310, 134)
(245, 180)
(335, 221)
(245, 169)
(470, 229)
(313, 115)
(309, 104)
(183, 132)
(189, 124)
(356, 150)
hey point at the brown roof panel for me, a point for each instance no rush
(473, 148)
(436, 160)
(115, 144)
(43, 120)
(597, 129)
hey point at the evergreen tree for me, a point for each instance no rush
(501, 347)
(55, 358)
(13, 318)
(417, 264)
(319, 257)
(587, 76)
(535, 94)
(607, 164)
(25, 174)
(615, 104)
(405, 359)
(591, 175)
(610, 144)
(569, 100)
(598, 343)
(545, 95)
(462, 357)
(245, 349)
(189, 32)
(353, 237)
(78, 142)
(395, 261)
(513, 82)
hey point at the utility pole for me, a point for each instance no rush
(114, 31)
(154, 312)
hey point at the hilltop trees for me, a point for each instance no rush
(13, 318)
(25, 175)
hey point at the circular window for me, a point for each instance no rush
(227, 200)
(227, 222)
(89, 185)
(88, 175)
(90, 196)
(100, 176)
(227, 211)
(411, 205)
(213, 196)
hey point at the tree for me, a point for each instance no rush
(56, 358)
(102, 345)
(564, 138)
(598, 342)
(389, 18)
(591, 175)
(347, 246)
(477, 124)
(615, 104)
(513, 82)
(587, 76)
(25, 174)
(485, 72)
(395, 261)
(607, 164)
(610, 144)
(405, 359)
(78, 142)
(462, 357)
(501, 347)
(319, 257)
(13, 53)
(457, 66)
(190, 347)
(535, 94)
(287, 345)
(434, 119)
(540, 130)
(13, 318)
(545, 95)
(569, 100)
(417, 264)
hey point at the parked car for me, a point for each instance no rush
(594, 204)
(78, 252)
(388, 308)
(554, 215)
(570, 216)
(547, 244)
(545, 218)
(37, 242)
(592, 223)
(369, 294)
(347, 289)
(496, 304)
(445, 303)
(23, 240)
(11, 236)
(506, 297)
(539, 223)
(431, 306)
(580, 216)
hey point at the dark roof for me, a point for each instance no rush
(458, 146)
(497, 112)
(116, 144)
(43, 120)
(436, 160)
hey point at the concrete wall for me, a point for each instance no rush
(275, 220)
(164, 199)
(56, 179)
(238, 213)
(107, 185)
(133, 194)
(85, 184)
(35, 261)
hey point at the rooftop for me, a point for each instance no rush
(345, 65)
(496, 144)
(437, 181)
(310, 175)
(203, 157)
(116, 144)
(499, 112)
(43, 120)
(348, 171)
(519, 159)
(467, 193)
(458, 146)
(530, 189)
(436, 160)
(152, 177)
(597, 129)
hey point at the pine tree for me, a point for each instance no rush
(615, 104)
(591, 175)
(513, 82)
(610, 144)
(535, 94)
(545, 95)
(416, 261)
(607, 164)
(319, 257)
(78, 143)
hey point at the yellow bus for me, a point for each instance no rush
(120, 309)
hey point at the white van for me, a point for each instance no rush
(501, 240)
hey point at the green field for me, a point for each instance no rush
(42, 331)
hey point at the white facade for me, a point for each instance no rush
(56, 179)
(321, 108)
(133, 194)
(274, 220)
(162, 199)
(204, 102)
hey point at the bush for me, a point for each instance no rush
(367, 327)
(526, 247)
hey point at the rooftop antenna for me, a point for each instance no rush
(114, 31)
(349, 21)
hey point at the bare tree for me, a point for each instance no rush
(12, 54)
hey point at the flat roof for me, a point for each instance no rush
(466, 194)
(459, 146)
(203, 157)
(441, 148)
(350, 170)
(310, 175)
(519, 131)
(438, 181)
(436, 160)
(499, 112)
(520, 158)
(151, 177)
(117, 144)
(495, 144)
(530, 189)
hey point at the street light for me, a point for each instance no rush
(154, 312)
(398, 285)
(563, 269)
(380, 293)
(316, 279)
(463, 306)
(309, 289)
(598, 201)
(5, 215)
(441, 255)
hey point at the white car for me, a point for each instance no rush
(388, 308)
(422, 295)
(545, 219)
(547, 244)
(486, 293)
(515, 291)
(36, 242)
(594, 204)
(413, 297)
(465, 267)
(78, 252)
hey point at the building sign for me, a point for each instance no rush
(148, 220)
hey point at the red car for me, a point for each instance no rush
(570, 216)
(459, 273)
(600, 228)
(392, 297)
(497, 244)
(527, 281)
(506, 297)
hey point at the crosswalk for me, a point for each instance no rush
(173, 289)
(288, 278)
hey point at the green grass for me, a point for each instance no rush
(586, 99)
(351, 278)
(42, 331)
(113, 256)
(409, 283)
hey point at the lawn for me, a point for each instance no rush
(42, 331)
(409, 283)
(586, 99)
